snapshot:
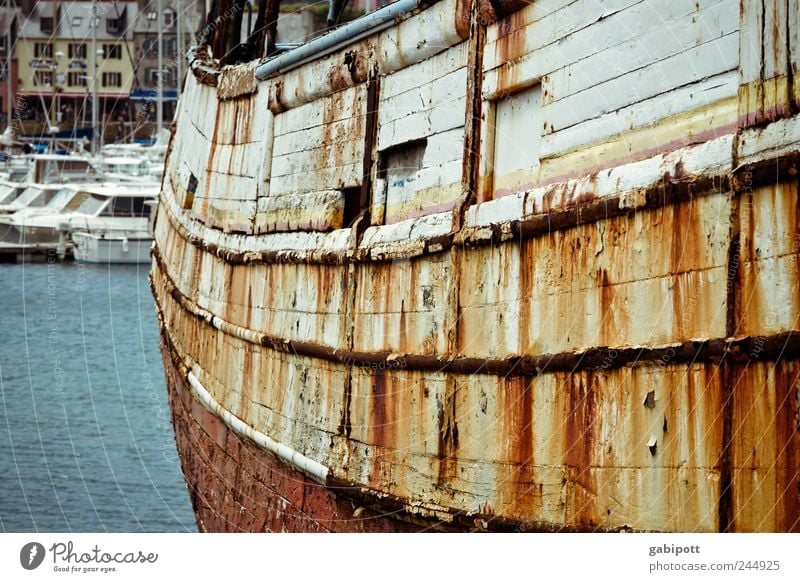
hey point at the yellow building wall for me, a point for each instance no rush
(123, 65)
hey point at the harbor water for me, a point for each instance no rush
(86, 442)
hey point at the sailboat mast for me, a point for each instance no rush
(160, 97)
(179, 46)
(95, 100)
(54, 57)
(9, 72)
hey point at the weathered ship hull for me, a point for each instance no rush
(235, 486)
(600, 337)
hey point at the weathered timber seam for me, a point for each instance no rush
(725, 504)
(458, 520)
(733, 270)
(368, 162)
(351, 284)
(665, 192)
(470, 163)
(766, 172)
(362, 222)
(793, 99)
(782, 346)
(427, 516)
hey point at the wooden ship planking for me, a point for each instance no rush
(489, 265)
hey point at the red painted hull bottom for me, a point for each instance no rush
(236, 486)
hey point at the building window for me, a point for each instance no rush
(76, 21)
(43, 50)
(170, 47)
(152, 15)
(112, 51)
(46, 24)
(169, 17)
(112, 79)
(167, 77)
(150, 46)
(76, 79)
(3, 46)
(115, 25)
(77, 51)
(43, 78)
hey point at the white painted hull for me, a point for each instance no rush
(464, 270)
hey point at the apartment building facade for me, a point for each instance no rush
(58, 68)
(9, 25)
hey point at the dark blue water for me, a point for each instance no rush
(86, 442)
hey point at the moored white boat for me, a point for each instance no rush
(129, 169)
(106, 211)
(25, 196)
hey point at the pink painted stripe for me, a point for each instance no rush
(669, 146)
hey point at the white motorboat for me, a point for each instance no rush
(105, 210)
(20, 196)
(128, 169)
(9, 191)
(61, 168)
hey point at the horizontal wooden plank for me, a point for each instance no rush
(322, 179)
(438, 93)
(227, 187)
(412, 40)
(551, 29)
(538, 65)
(669, 39)
(351, 128)
(641, 114)
(694, 127)
(444, 147)
(426, 202)
(706, 60)
(226, 214)
(441, 175)
(342, 153)
(536, 11)
(422, 124)
(421, 74)
(310, 211)
(338, 106)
